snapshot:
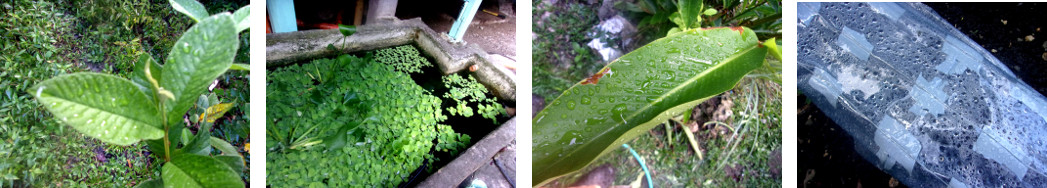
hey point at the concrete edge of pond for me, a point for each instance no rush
(286, 48)
(473, 158)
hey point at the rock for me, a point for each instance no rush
(616, 26)
(602, 176)
(537, 104)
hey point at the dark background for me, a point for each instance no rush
(828, 152)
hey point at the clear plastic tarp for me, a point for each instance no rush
(922, 101)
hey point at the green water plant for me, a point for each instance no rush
(346, 31)
(403, 58)
(352, 121)
(151, 105)
(637, 92)
(467, 92)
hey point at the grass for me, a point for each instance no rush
(43, 39)
(560, 54)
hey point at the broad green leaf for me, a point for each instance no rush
(234, 162)
(157, 146)
(225, 147)
(101, 106)
(203, 53)
(201, 142)
(188, 170)
(152, 183)
(214, 112)
(346, 30)
(709, 12)
(689, 11)
(679, 21)
(338, 139)
(139, 75)
(242, 18)
(190, 8)
(776, 50)
(240, 67)
(636, 92)
(185, 135)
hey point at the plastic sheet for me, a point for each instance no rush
(922, 101)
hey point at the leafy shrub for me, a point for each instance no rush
(351, 121)
(659, 18)
(403, 58)
(150, 105)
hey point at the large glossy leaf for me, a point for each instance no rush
(689, 11)
(188, 170)
(242, 18)
(203, 53)
(636, 92)
(105, 107)
(190, 8)
(225, 147)
(234, 162)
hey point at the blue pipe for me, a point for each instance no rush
(650, 183)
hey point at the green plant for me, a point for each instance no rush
(466, 90)
(662, 17)
(638, 91)
(450, 141)
(151, 105)
(355, 121)
(346, 31)
(403, 58)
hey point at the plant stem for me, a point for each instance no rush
(167, 141)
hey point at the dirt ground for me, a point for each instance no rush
(493, 34)
(1016, 31)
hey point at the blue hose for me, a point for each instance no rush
(650, 183)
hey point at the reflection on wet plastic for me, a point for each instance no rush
(921, 100)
